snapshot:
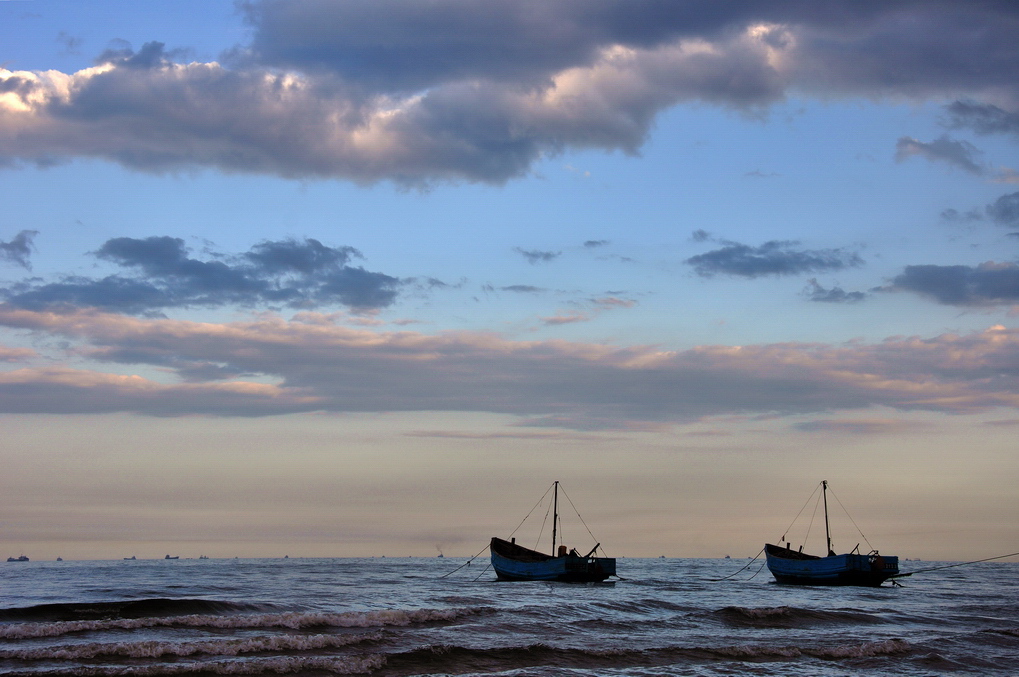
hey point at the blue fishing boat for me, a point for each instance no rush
(853, 568)
(513, 562)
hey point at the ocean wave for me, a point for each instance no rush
(136, 608)
(158, 649)
(790, 617)
(294, 620)
(349, 665)
(446, 658)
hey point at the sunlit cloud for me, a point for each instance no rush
(324, 367)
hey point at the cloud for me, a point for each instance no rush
(982, 118)
(430, 91)
(1005, 210)
(594, 244)
(285, 273)
(591, 308)
(958, 153)
(987, 284)
(955, 216)
(567, 318)
(858, 426)
(523, 289)
(534, 256)
(19, 249)
(815, 292)
(270, 366)
(771, 258)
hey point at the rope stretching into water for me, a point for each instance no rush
(957, 564)
(718, 580)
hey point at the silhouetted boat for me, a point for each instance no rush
(797, 567)
(22, 558)
(133, 557)
(174, 557)
(514, 562)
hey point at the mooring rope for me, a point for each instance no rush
(957, 564)
(718, 580)
(465, 564)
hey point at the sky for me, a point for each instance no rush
(363, 277)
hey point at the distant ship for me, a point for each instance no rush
(60, 559)
(133, 557)
(17, 559)
(174, 557)
(203, 557)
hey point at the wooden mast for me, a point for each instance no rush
(827, 531)
(555, 513)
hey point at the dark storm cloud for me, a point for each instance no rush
(771, 258)
(1005, 210)
(962, 154)
(19, 249)
(982, 118)
(987, 284)
(429, 91)
(815, 292)
(534, 256)
(291, 273)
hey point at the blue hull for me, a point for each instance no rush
(790, 566)
(516, 563)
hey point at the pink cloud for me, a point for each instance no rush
(320, 366)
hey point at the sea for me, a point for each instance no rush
(449, 616)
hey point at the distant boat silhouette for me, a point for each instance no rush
(203, 557)
(131, 557)
(60, 559)
(18, 559)
(168, 557)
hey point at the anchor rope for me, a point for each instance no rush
(467, 563)
(747, 566)
(957, 564)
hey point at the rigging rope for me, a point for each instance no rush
(851, 520)
(582, 521)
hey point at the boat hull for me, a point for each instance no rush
(516, 563)
(795, 568)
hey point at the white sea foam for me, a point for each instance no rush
(292, 620)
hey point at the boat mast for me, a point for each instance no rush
(555, 512)
(827, 531)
